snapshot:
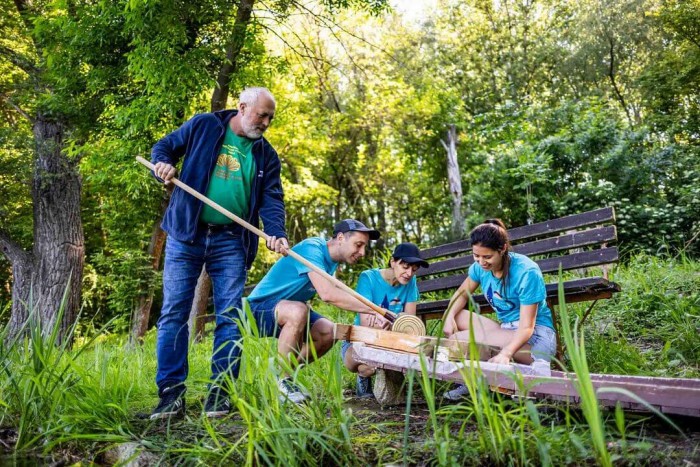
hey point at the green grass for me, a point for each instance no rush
(84, 400)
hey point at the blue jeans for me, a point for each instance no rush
(223, 254)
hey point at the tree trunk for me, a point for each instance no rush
(142, 312)
(233, 51)
(199, 306)
(21, 283)
(55, 267)
(455, 180)
(218, 102)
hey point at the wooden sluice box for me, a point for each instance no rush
(444, 360)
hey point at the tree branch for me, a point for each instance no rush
(23, 8)
(18, 109)
(11, 249)
(19, 60)
(611, 75)
(233, 51)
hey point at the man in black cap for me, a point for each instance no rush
(279, 301)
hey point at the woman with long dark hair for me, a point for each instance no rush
(514, 287)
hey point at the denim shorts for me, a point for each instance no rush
(264, 314)
(344, 346)
(543, 342)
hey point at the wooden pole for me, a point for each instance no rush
(386, 314)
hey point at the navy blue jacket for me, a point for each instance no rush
(199, 141)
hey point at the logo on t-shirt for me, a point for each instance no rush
(226, 165)
(497, 302)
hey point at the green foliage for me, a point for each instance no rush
(654, 321)
(86, 399)
(561, 107)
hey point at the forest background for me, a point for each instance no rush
(559, 107)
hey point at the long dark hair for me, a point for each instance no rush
(492, 234)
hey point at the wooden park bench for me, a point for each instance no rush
(578, 242)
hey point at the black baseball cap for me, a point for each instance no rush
(352, 225)
(409, 253)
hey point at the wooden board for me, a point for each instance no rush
(669, 395)
(565, 242)
(400, 342)
(577, 290)
(548, 265)
(540, 229)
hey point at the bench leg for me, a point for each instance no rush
(588, 312)
(560, 347)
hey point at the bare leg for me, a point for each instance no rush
(356, 367)
(488, 332)
(321, 339)
(291, 317)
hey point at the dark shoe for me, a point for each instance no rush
(457, 394)
(217, 404)
(172, 403)
(364, 387)
(289, 390)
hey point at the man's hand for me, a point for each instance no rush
(278, 245)
(379, 322)
(165, 172)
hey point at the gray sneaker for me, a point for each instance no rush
(291, 391)
(457, 394)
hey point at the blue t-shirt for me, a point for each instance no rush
(525, 285)
(288, 278)
(373, 287)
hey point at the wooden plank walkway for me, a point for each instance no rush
(669, 395)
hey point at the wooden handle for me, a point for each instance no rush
(388, 315)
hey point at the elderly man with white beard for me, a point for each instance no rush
(225, 156)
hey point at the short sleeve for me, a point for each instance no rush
(364, 286)
(412, 295)
(475, 272)
(531, 288)
(313, 252)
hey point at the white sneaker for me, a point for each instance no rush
(457, 394)
(289, 390)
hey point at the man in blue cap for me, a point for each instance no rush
(279, 302)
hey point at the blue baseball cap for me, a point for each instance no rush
(352, 225)
(409, 253)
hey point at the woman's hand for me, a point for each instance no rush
(449, 327)
(501, 359)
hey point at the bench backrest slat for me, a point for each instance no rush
(548, 265)
(548, 245)
(516, 234)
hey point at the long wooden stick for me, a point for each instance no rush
(388, 315)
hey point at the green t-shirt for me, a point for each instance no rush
(231, 180)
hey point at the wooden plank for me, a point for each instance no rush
(577, 290)
(380, 338)
(400, 342)
(584, 259)
(598, 216)
(549, 245)
(548, 265)
(671, 395)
